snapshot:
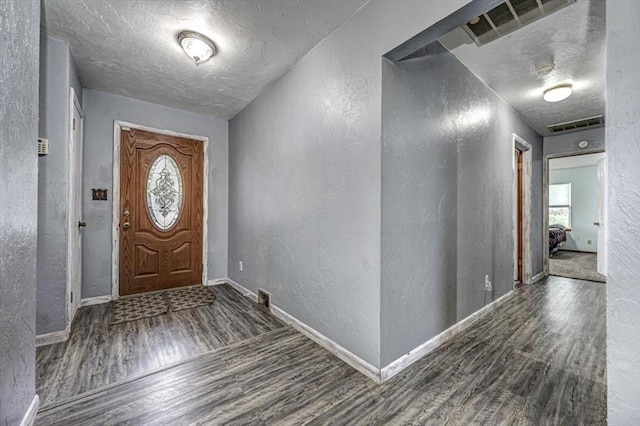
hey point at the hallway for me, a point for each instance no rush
(537, 359)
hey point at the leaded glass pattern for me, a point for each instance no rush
(164, 192)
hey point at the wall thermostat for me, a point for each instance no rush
(583, 144)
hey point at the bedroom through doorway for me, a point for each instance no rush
(576, 216)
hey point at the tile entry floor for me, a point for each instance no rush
(538, 359)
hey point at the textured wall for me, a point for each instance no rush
(304, 208)
(584, 206)
(57, 74)
(567, 143)
(447, 200)
(623, 238)
(20, 25)
(100, 111)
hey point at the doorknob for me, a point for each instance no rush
(82, 224)
(126, 225)
(596, 223)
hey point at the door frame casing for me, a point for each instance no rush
(545, 198)
(118, 126)
(527, 167)
(71, 223)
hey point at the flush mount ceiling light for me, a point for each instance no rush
(196, 46)
(557, 93)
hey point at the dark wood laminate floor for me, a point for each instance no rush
(538, 359)
(97, 354)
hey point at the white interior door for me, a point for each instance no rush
(74, 255)
(602, 219)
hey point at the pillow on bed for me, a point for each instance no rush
(558, 226)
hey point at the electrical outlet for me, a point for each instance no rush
(263, 298)
(487, 283)
(240, 266)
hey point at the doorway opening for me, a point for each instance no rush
(522, 168)
(575, 216)
(75, 221)
(160, 203)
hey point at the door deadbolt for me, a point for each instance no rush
(126, 213)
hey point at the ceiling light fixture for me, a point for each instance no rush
(557, 93)
(196, 46)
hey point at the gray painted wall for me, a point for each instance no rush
(623, 238)
(305, 178)
(567, 143)
(584, 206)
(447, 198)
(20, 24)
(58, 73)
(74, 78)
(100, 111)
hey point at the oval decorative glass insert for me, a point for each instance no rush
(164, 192)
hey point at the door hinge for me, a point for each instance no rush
(519, 262)
(71, 297)
(74, 124)
(519, 166)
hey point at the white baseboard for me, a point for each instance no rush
(217, 281)
(51, 338)
(415, 354)
(30, 416)
(537, 277)
(95, 300)
(344, 354)
(372, 372)
(242, 290)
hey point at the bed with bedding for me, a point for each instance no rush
(557, 237)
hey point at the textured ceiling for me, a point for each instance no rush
(129, 47)
(571, 38)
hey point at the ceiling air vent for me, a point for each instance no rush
(510, 16)
(597, 121)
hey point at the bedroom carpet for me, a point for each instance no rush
(572, 264)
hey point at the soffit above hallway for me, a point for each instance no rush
(130, 48)
(572, 39)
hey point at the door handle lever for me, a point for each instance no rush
(82, 224)
(596, 223)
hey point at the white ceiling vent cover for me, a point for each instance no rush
(510, 16)
(591, 122)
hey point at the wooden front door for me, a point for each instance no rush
(161, 193)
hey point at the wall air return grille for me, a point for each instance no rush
(597, 121)
(510, 16)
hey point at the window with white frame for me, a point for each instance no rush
(560, 204)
